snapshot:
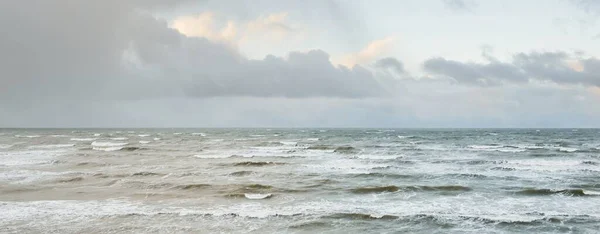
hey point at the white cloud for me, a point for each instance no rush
(369, 54)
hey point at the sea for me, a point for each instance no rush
(299, 180)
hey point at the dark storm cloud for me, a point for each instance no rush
(557, 67)
(115, 49)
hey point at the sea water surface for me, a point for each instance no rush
(299, 180)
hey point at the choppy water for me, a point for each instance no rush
(300, 181)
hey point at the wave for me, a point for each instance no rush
(590, 163)
(442, 188)
(51, 146)
(144, 135)
(116, 148)
(108, 144)
(383, 175)
(543, 192)
(119, 138)
(241, 173)
(498, 148)
(144, 142)
(2, 146)
(83, 139)
(257, 196)
(29, 136)
(381, 189)
(359, 216)
(70, 180)
(567, 149)
(145, 173)
(107, 149)
(320, 147)
(290, 143)
(256, 164)
(312, 139)
(199, 134)
(204, 186)
(345, 149)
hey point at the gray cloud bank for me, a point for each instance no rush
(99, 49)
(557, 67)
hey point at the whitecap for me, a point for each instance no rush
(208, 156)
(312, 139)
(83, 139)
(144, 135)
(116, 148)
(108, 144)
(199, 134)
(485, 146)
(144, 142)
(157, 139)
(568, 150)
(5, 146)
(30, 136)
(288, 142)
(97, 134)
(119, 138)
(257, 196)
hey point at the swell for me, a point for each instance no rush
(547, 192)
(392, 188)
(256, 164)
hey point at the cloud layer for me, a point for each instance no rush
(118, 49)
(556, 67)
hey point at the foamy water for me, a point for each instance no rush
(299, 181)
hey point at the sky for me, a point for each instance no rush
(310, 63)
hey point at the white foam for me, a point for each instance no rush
(83, 139)
(97, 134)
(29, 157)
(567, 149)
(119, 138)
(144, 142)
(108, 144)
(312, 139)
(485, 146)
(156, 139)
(199, 134)
(51, 146)
(144, 135)
(30, 136)
(257, 196)
(288, 142)
(208, 156)
(2, 146)
(107, 149)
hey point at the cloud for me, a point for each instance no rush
(557, 67)
(391, 65)
(590, 6)
(266, 28)
(460, 5)
(116, 50)
(372, 51)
